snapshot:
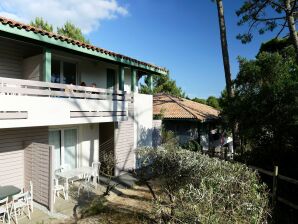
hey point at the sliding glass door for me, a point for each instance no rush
(65, 145)
(55, 140)
(70, 147)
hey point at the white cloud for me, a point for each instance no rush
(86, 14)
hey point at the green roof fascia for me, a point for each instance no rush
(64, 44)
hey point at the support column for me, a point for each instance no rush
(150, 83)
(133, 80)
(121, 78)
(47, 61)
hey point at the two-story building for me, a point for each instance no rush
(66, 102)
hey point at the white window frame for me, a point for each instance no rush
(62, 129)
(61, 61)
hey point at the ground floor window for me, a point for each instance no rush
(65, 142)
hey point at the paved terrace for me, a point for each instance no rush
(68, 211)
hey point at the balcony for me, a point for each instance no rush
(26, 103)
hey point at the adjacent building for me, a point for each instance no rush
(187, 119)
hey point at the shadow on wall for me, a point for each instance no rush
(156, 137)
(145, 136)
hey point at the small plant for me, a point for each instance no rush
(107, 170)
(96, 206)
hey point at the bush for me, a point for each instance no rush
(195, 188)
(193, 145)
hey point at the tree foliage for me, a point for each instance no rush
(269, 15)
(266, 99)
(194, 188)
(162, 84)
(199, 100)
(211, 101)
(40, 23)
(68, 29)
(71, 31)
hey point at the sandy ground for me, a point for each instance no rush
(126, 206)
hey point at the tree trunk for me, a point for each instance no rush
(224, 47)
(292, 26)
(226, 62)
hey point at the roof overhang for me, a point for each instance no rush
(6, 30)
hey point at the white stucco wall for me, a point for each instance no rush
(143, 117)
(88, 143)
(32, 68)
(46, 111)
(94, 72)
(127, 80)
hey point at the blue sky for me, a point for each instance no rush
(181, 35)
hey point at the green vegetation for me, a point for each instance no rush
(211, 101)
(264, 16)
(266, 104)
(41, 24)
(199, 100)
(68, 29)
(194, 188)
(162, 84)
(71, 31)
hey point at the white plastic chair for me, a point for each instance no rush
(66, 167)
(19, 204)
(96, 168)
(4, 211)
(86, 184)
(30, 196)
(58, 188)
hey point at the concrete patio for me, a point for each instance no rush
(68, 211)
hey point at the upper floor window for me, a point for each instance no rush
(64, 72)
(111, 78)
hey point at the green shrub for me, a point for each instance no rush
(195, 188)
(193, 145)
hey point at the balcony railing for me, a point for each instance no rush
(34, 103)
(22, 87)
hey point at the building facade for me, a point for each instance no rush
(66, 102)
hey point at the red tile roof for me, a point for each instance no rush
(29, 28)
(171, 107)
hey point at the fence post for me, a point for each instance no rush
(274, 186)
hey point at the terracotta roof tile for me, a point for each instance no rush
(179, 108)
(36, 30)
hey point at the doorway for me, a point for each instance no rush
(65, 142)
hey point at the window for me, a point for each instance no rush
(111, 78)
(69, 73)
(65, 146)
(55, 71)
(64, 72)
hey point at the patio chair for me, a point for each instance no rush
(58, 188)
(4, 211)
(86, 184)
(30, 196)
(19, 204)
(96, 168)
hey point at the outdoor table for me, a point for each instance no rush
(8, 191)
(68, 174)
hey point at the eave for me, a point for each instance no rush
(7, 30)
